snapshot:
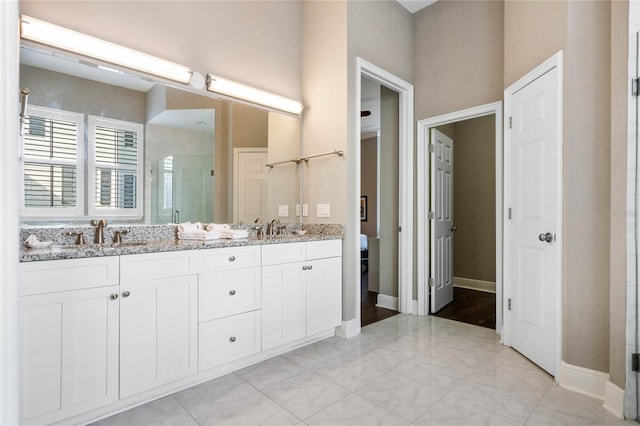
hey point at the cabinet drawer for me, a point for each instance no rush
(228, 339)
(144, 267)
(228, 293)
(324, 249)
(70, 274)
(275, 254)
(224, 259)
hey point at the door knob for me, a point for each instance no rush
(548, 237)
(454, 228)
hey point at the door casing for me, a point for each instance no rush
(424, 244)
(351, 274)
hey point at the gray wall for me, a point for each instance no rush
(618, 217)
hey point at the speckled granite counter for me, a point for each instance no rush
(152, 239)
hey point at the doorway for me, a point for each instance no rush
(486, 277)
(352, 292)
(379, 180)
(465, 289)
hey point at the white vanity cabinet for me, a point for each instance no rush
(68, 338)
(158, 321)
(230, 300)
(301, 290)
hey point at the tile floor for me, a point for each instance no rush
(404, 370)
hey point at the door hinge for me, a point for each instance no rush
(432, 282)
(213, 173)
(635, 362)
(509, 213)
(432, 215)
(432, 148)
(510, 122)
(635, 86)
(399, 228)
(509, 304)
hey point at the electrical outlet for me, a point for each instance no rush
(323, 210)
(305, 210)
(297, 210)
(283, 210)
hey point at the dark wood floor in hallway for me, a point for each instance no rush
(370, 313)
(472, 307)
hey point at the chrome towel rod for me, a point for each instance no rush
(337, 152)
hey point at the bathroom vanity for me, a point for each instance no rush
(106, 330)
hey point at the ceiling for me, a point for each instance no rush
(415, 5)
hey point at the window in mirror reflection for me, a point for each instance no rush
(52, 153)
(115, 163)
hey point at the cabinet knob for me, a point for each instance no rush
(232, 339)
(114, 296)
(232, 258)
(232, 292)
(304, 268)
(310, 267)
(126, 293)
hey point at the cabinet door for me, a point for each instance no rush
(69, 350)
(323, 279)
(158, 333)
(283, 300)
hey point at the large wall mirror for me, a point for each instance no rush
(204, 158)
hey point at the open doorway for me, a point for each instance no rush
(379, 180)
(460, 252)
(472, 230)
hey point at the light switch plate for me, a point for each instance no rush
(283, 210)
(323, 210)
(297, 210)
(305, 210)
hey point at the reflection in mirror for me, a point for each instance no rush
(204, 158)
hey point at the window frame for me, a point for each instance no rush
(46, 213)
(92, 165)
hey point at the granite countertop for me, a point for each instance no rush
(70, 251)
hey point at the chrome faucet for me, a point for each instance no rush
(99, 239)
(272, 227)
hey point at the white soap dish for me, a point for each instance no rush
(38, 244)
(300, 231)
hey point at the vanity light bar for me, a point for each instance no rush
(251, 94)
(82, 44)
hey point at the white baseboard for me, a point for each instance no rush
(470, 283)
(388, 302)
(349, 329)
(582, 380)
(614, 400)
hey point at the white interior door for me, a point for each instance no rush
(534, 199)
(441, 262)
(250, 184)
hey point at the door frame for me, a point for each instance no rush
(9, 251)
(556, 61)
(424, 171)
(405, 240)
(236, 158)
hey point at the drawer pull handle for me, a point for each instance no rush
(232, 258)
(126, 294)
(232, 339)
(232, 292)
(114, 296)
